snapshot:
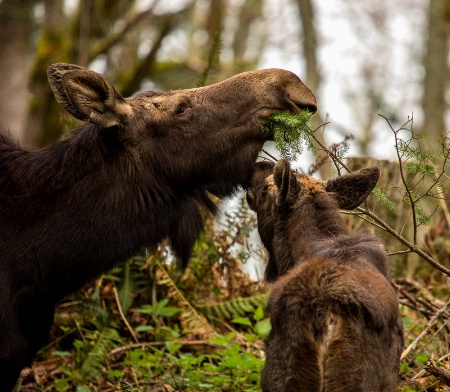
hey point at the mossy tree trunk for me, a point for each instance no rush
(437, 74)
(15, 48)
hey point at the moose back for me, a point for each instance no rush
(335, 321)
(136, 172)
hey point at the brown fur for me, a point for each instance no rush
(136, 172)
(335, 320)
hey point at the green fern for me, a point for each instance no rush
(92, 354)
(189, 315)
(291, 132)
(126, 288)
(125, 387)
(236, 307)
(129, 280)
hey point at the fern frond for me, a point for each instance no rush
(126, 287)
(236, 307)
(189, 315)
(93, 354)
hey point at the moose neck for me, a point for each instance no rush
(97, 204)
(57, 166)
(315, 220)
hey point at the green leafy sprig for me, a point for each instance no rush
(291, 132)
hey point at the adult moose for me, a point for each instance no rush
(134, 174)
(335, 320)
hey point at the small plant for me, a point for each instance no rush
(291, 131)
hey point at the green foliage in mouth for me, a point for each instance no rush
(291, 132)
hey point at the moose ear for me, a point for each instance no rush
(285, 181)
(352, 189)
(87, 95)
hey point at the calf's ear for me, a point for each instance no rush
(350, 190)
(87, 95)
(286, 183)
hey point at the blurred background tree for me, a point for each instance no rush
(359, 60)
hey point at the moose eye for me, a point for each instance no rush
(180, 110)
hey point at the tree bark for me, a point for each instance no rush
(43, 121)
(313, 75)
(15, 22)
(436, 68)
(250, 11)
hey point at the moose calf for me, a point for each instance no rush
(335, 320)
(136, 172)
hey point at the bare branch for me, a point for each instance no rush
(122, 349)
(131, 20)
(402, 174)
(438, 371)
(119, 305)
(430, 324)
(330, 153)
(413, 247)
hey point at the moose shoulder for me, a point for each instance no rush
(135, 173)
(336, 326)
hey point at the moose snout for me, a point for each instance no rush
(301, 98)
(310, 106)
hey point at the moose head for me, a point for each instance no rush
(279, 195)
(205, 137)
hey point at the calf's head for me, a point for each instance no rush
(205, 138)
(284, 199)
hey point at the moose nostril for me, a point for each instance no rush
(311, 107)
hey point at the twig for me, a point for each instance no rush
(130, 21)
(399, 252)
(335, 158)
(402, 174)
(119, 305)
(438, 371)
(430, 324)
(423, 371)
(414, 248)
(270, 155)
(163, 343)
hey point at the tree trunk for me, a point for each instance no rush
(15, 22)
(250, 11)
(313, 76)
(436, 68)
(43, 122)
